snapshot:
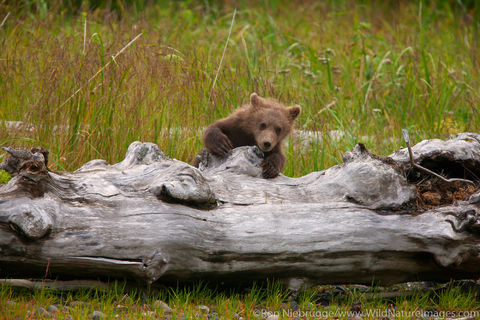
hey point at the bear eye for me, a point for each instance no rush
(278, 130)
(263, 126)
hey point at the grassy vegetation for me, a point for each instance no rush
(258, 302)
(380, 66)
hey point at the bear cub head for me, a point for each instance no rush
(263, 122)
(269, 121)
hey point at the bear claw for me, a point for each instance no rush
(269, 170)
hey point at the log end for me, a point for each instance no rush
(29, 221)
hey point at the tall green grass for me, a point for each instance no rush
(388, 65)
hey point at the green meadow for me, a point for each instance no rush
(360, 70)
(84, 79)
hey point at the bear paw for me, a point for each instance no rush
(270, 168)
(221, 146)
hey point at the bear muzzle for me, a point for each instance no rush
(266, 140)
(266, 145)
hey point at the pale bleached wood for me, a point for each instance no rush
(155, 219)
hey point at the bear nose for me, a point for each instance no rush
(266, 144)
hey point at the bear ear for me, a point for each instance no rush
(293, 112)
(255, 100)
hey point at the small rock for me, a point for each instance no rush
(52, 308)
(356, 307)
(204, 309)
(213, 316)
(97, 315)
(359, 288)
(78, 303)
(339, 290)
(324, 298)
(162, 306)
(120, 308)
(42, 312)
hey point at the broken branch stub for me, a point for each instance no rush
(413, 164)
(152, 218)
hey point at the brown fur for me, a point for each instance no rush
(263, 122)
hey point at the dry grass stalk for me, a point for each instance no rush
(4, 20)
(223, 54)
(100, 70)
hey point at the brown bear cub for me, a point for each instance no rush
(263, 123)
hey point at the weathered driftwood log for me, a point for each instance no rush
(152, 218)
